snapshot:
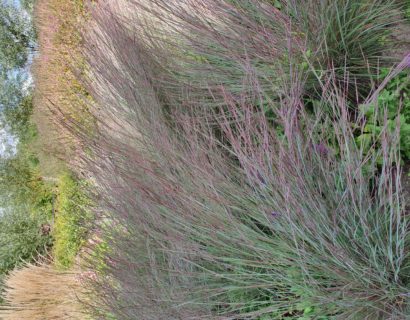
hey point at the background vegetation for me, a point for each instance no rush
(44, 207)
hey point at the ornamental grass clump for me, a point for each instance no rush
(212, 208)
(346, 36)
(40, 292)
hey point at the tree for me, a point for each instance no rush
(15, 108)
(16, 36)
(28, 5)
(20, 237)
(11, 88)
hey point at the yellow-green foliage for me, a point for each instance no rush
(71, 221)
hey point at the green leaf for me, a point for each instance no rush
(309, 310)
(364, 140)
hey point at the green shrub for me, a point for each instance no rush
(407, 10)
(72, 215)
(393, 103)
(25, 196)
(20, 177)
(21, 237)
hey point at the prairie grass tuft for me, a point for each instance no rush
(39, 292)
(224, 192)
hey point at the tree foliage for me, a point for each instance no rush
(20, 237)
(16, 36)
(26, 200)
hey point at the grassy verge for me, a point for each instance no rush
(59, 96)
